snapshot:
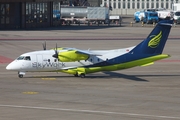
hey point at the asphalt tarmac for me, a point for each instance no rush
(141, 93)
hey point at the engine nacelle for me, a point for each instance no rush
(71, 56)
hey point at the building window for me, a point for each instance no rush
(56, 11)
(7, 9)
(152, 5)
(7, 19)
(162, 5)
(3, 9)
(128, 5)
(167, 5)
(142, 4)
(124, 4)
(2, 20)
(105, 4)
(119, 4)
(147, 4)
(114, 5)
(133, 4)
(138, 7)
(4, 14)
(36, 12)
(157, 4)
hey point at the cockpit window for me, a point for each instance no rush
(24, 58)
(20, 58)
(27, 58)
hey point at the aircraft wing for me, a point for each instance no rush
(86, 52)
(73, 54)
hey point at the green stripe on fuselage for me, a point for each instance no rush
(120, 66)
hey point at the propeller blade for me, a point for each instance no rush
(56, 47)
(44, 45)
(55, 55)
(56, 52)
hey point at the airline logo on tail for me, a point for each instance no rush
(154, 42)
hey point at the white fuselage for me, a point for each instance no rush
(43, 60)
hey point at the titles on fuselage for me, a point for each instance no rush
(48, 64)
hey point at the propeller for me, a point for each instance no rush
(44, 45)
(56, 52)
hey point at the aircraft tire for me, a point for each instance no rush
(20, 76)
(82, 75)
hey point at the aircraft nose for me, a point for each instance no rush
(9, 67)
(12, 66)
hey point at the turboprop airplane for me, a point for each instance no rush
(81, 62)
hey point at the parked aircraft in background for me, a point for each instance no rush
(81, 62)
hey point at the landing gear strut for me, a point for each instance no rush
(76, 75)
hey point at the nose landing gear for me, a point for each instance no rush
(21, 74)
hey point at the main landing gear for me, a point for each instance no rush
(82, 75)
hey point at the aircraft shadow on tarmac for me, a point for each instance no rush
(109, 75)
(99, 76)
(135, 77)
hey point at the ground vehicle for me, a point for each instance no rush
(138, 16)
(115, 19)
(151, 17)
(177, 17)
(146, 17)
(162, 13)
(90, 15)
(176, 6)
(77, 15)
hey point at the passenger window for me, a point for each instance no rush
(27, 58)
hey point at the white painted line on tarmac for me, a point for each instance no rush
(89, 111)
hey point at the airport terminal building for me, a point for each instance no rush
(28, 14)
(125, 7)
(25, 14)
